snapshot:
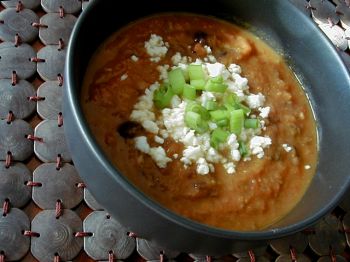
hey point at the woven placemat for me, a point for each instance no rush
(48, 214)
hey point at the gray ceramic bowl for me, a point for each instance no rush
(313, 58)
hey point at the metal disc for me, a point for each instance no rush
(12, 184)
(323, 11)
(150, 251)
(302, 6)
(18, 23)
(57, 28)
(12, 241)
(327, 235)
(91, 201)
(53, 142)
(52, 105)
(298, 241)
(57, 185)
(287, 258)
(346, 225)
(56, 235)
(257, 259)
(259, 251)
(17, 59)
(336, 34)
(69, 6)
(30, 4)
(15, 98)
(54, 62)
(328, 259)
(108, 235)
(13, 139)
(344, 15)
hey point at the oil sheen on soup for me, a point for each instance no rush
(203, 117)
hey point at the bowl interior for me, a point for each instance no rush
(311, 55)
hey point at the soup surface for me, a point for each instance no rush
(261, 187)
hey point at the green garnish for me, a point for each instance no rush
(236, 121)
(176, 80)
(163, 95)
(251, 123)
(189, 92)
(194, 121)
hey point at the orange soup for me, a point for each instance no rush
(204, 118)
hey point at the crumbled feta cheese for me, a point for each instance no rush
(212, 126)
(191, 153)
(240, 82)
(190, 139)
(307, 167)
(123, 77)
(156, 48)
(176, 59)
(158, 140)
(134, 58)
(211, 58)
(255, 101)
(175, 156)
(202, 166)
(142, 115)
(215, 69)
(213, 156)
(175, 101)
(233, 68)
(257, 145)
(142, 144)
(159, 156)
(164, 133)
(287, 147)
(235, 155)
(163, 70)
(150, 126)
(207, 96)
(207, 49)
(232, 142)
(264, 111)
(230, 168)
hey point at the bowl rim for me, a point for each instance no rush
(265, 234)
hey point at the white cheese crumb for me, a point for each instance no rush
(142, 115)
(202, 166)
(176, 59)
(230, 168)
(142, 144)
(207, 49)
(287, 147)
(123, 77)
(159, 156)
(150, 126)
(307, 167)
(134, 58)
(211, 58)
(264, 111)
(163, 70)
(232, 142)
(257, 145)
(175, 156)
(191, 154)
(156, 48)
(255, 101)
(235, 155)
(159, 140)
(212, 126)
(175, 101)
(215, 69)
(213, 156)
(233, 68)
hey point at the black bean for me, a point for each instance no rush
(130, 129)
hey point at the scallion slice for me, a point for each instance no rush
(176, 80)
(162, 96)
(218, 136)
(210, 105)
(218, 115)
(189, 92)
(243, 150)
(198, 83)
(251, 123)
(194, 121)
(236, 121)
(195, 72)
(214, 86)
(197, 108)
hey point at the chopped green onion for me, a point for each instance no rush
(197, 108)
(218, 115)
(243, 150)
(251, 123)
(236, 121)
(195, 72)
(176, 80)
(231, 101)
(210, 105)
(198, 83)
(194, 121)
(245, 109)
(189, 92)
(217, 79)
(214, 86)
(218, 136)
(163, 95)
(222, 122)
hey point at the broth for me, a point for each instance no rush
(261, 191)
